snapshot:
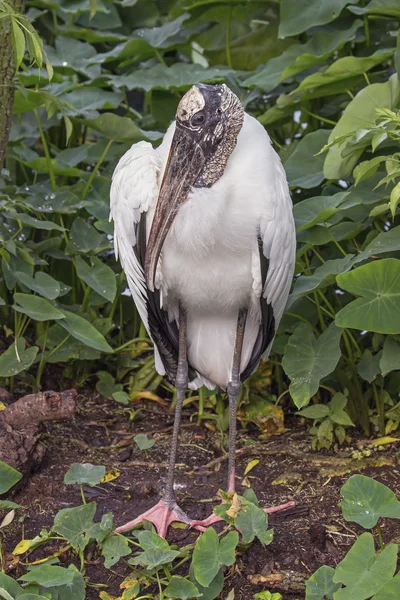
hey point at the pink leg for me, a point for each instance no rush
(161, 515)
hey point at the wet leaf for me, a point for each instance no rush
(366, 500)
(36, 308)
(98, 276)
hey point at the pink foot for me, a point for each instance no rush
(215, 519)
(161, 515)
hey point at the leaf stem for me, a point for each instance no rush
(46, 152)
(43, 357)
(379, 532)
(93, 173)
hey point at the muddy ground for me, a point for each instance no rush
(311, 534)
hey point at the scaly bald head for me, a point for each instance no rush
(208, 121)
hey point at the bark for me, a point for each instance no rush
(20, 427)
(7, 72)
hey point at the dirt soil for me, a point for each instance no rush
(305, 537)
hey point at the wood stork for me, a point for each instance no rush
(205, 233)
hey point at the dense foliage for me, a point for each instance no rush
(319, 75)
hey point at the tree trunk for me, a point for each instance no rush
(7, 72)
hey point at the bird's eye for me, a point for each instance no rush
(197, 119)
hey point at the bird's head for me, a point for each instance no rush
(208, 121)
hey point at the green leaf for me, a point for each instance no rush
(390, 360)
(8, 477)
(378, 308)
(38, 223)
(144, 442)
(49, 576)
(9, 584)
(7, 504)
(84, 331)
(394, 199)
(378, 7)
(209, 554)
(99, 276)
(386, 241)
(157, 551)
(182, 588)
(315, 210)
(362, 571)
(83, 237)
(300, 15)
(322, 276)
(366, 500)
(113, 548)
(12, 363)
(81, 473)
(359, 113)
(71, 591)
(36, 308)
(29, 596)
(73, 523)
(367, 168)
(317, 411)
(344, 68)
(42, 283)
(390, 591)
(368, 367)
(18, 42)
(253, 523)
(307, 360)
(303, 168)
(178, 76)
(320, 585)
(119, 129)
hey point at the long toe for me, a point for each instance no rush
(161, 515)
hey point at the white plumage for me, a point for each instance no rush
(210, 260)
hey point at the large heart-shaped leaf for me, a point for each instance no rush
(307, 360)
(378, 307)
(362, 571)
(366, 500)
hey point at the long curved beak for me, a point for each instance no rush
(185, 162)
